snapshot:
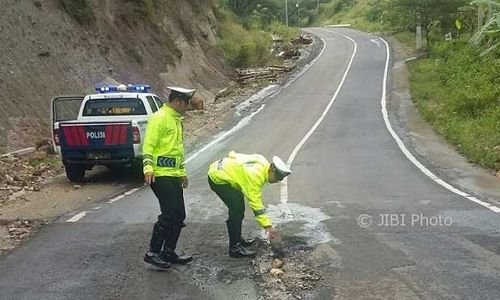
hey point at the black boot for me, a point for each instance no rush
(168, 252)
(170, 256)
(236, 249)
(247, 242)
(155, 260)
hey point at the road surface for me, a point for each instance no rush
(385, 229)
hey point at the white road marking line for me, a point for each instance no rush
(284, 183)
(121, 196)
(77, 217)
(96, 208)
(115, 199)
(408, 153)
(130, 192)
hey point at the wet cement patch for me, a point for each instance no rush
(298, 220)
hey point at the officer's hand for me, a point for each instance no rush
(149, 178)
(271, 233)
(185, 182)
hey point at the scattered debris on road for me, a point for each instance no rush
(292, 276)
(16, 232)
(26, 173)
(303, 39)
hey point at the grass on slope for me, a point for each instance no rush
(458, 92)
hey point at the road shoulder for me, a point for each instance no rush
(431, 148)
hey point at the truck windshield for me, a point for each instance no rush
(114, 107)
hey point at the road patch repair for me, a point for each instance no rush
(290, 266)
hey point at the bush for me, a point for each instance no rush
(458, 92)
(286, 32)
(80, 10)
(243, 48)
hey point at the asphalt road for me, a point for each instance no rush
(389, 230)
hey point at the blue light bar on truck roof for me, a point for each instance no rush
(135, 88)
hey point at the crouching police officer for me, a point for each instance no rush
(240, 176)
(163, 159)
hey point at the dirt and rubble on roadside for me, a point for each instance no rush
(292, 271)
(35, 191)
(22, 174)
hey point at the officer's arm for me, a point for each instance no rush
(150, 142)
(254, 197)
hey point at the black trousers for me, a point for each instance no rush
(167, 229)
(234, 200)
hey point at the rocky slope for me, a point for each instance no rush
(47, 51)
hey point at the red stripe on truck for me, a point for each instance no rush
(83, 136)
(76, 137)
(68, 137)
(116, 134)
(123, 134)
(108, 130)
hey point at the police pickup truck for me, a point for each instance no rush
(106, 128)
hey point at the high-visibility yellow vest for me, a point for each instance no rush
(247, 173)
(163, 148)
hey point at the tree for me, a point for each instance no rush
(490, 31)
(432, 15)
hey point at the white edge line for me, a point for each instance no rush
(115, 198)
(121, 196)
(130, 192)
(284, 183)
(408, 153)
(77, 217)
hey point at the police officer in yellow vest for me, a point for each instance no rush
(240, 176)
(163, 160)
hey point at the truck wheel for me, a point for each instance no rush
(75, 173)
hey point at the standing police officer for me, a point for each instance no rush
(240, 176)
(164, 170)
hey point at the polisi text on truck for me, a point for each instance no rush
(96, 134)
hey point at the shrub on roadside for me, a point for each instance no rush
(458, 92)
(286, 32)
(241, 47)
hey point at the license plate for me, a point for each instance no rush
(98, 155)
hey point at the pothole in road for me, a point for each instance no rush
(290, 266)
